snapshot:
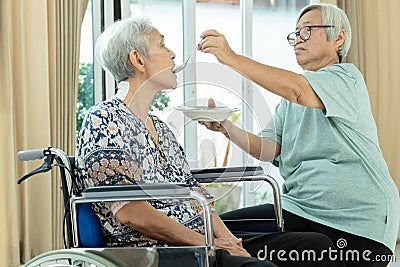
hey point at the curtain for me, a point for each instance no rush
(39, 54)
(374, 51)
(64, 27)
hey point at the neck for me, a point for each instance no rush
(140, 97)
(320, 65)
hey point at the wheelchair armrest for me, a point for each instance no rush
(150, 191)
(209, 175)
(238, 174)
(156, 190)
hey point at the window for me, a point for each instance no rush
(166, 16)
(85, 79)
(272, 21)
(218, 81)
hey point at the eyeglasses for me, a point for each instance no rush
(304, 33)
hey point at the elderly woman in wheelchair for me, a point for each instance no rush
(122, 145)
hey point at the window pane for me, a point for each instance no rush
(273, 20)
(225, 86)
(85, 80)
(166, 16)
(218, 81)
(271, 25)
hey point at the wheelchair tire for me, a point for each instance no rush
(70, 258)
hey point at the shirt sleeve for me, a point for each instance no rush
(337, 89)
(273, 129)
(116, 206)
(104, 159)
(111, 167)
(196, 186)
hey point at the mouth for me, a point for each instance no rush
(298, 50)
(178, 68)
(173, 70)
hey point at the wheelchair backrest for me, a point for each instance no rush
(89, 229)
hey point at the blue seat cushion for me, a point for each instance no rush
(89, 229)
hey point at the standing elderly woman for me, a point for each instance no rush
(120, 143)
(323, 138)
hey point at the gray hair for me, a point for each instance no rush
(117, 41)
(332, 15)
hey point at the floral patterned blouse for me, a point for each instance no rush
(115, 148)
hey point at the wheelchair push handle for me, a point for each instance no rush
(34, 154)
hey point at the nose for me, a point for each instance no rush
(298, 40)
(172, 54)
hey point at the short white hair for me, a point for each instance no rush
(332, 15)
(117, 41)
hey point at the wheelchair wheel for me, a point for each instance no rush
(70, 258)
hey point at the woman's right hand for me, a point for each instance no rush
(215, 43)
(233, 246)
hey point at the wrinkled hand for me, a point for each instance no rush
(217, 126)
(232, 245)
(215, 43)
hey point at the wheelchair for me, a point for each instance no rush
(83, 240)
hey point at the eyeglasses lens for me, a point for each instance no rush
(304, 33)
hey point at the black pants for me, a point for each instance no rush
(346, 249)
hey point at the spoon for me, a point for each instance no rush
(179, 68)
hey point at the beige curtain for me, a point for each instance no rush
(39, 55)
(376, 35)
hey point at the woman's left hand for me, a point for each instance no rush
(217, 126)
(232, 245)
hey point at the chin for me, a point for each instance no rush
(174, 85)
(165, 81)
(169, 85)
(302, 64)
(172, 82)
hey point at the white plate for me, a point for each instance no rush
(205, 113)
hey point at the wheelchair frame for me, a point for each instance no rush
(111, 256)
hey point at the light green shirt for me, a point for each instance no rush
(330, 159)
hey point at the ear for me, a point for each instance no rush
(137, 60)
(341, 38)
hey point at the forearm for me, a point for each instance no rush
(277, 81)
(225, 239)
(287, 84)
(261, 148)
(220, 229)
(146, 219)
